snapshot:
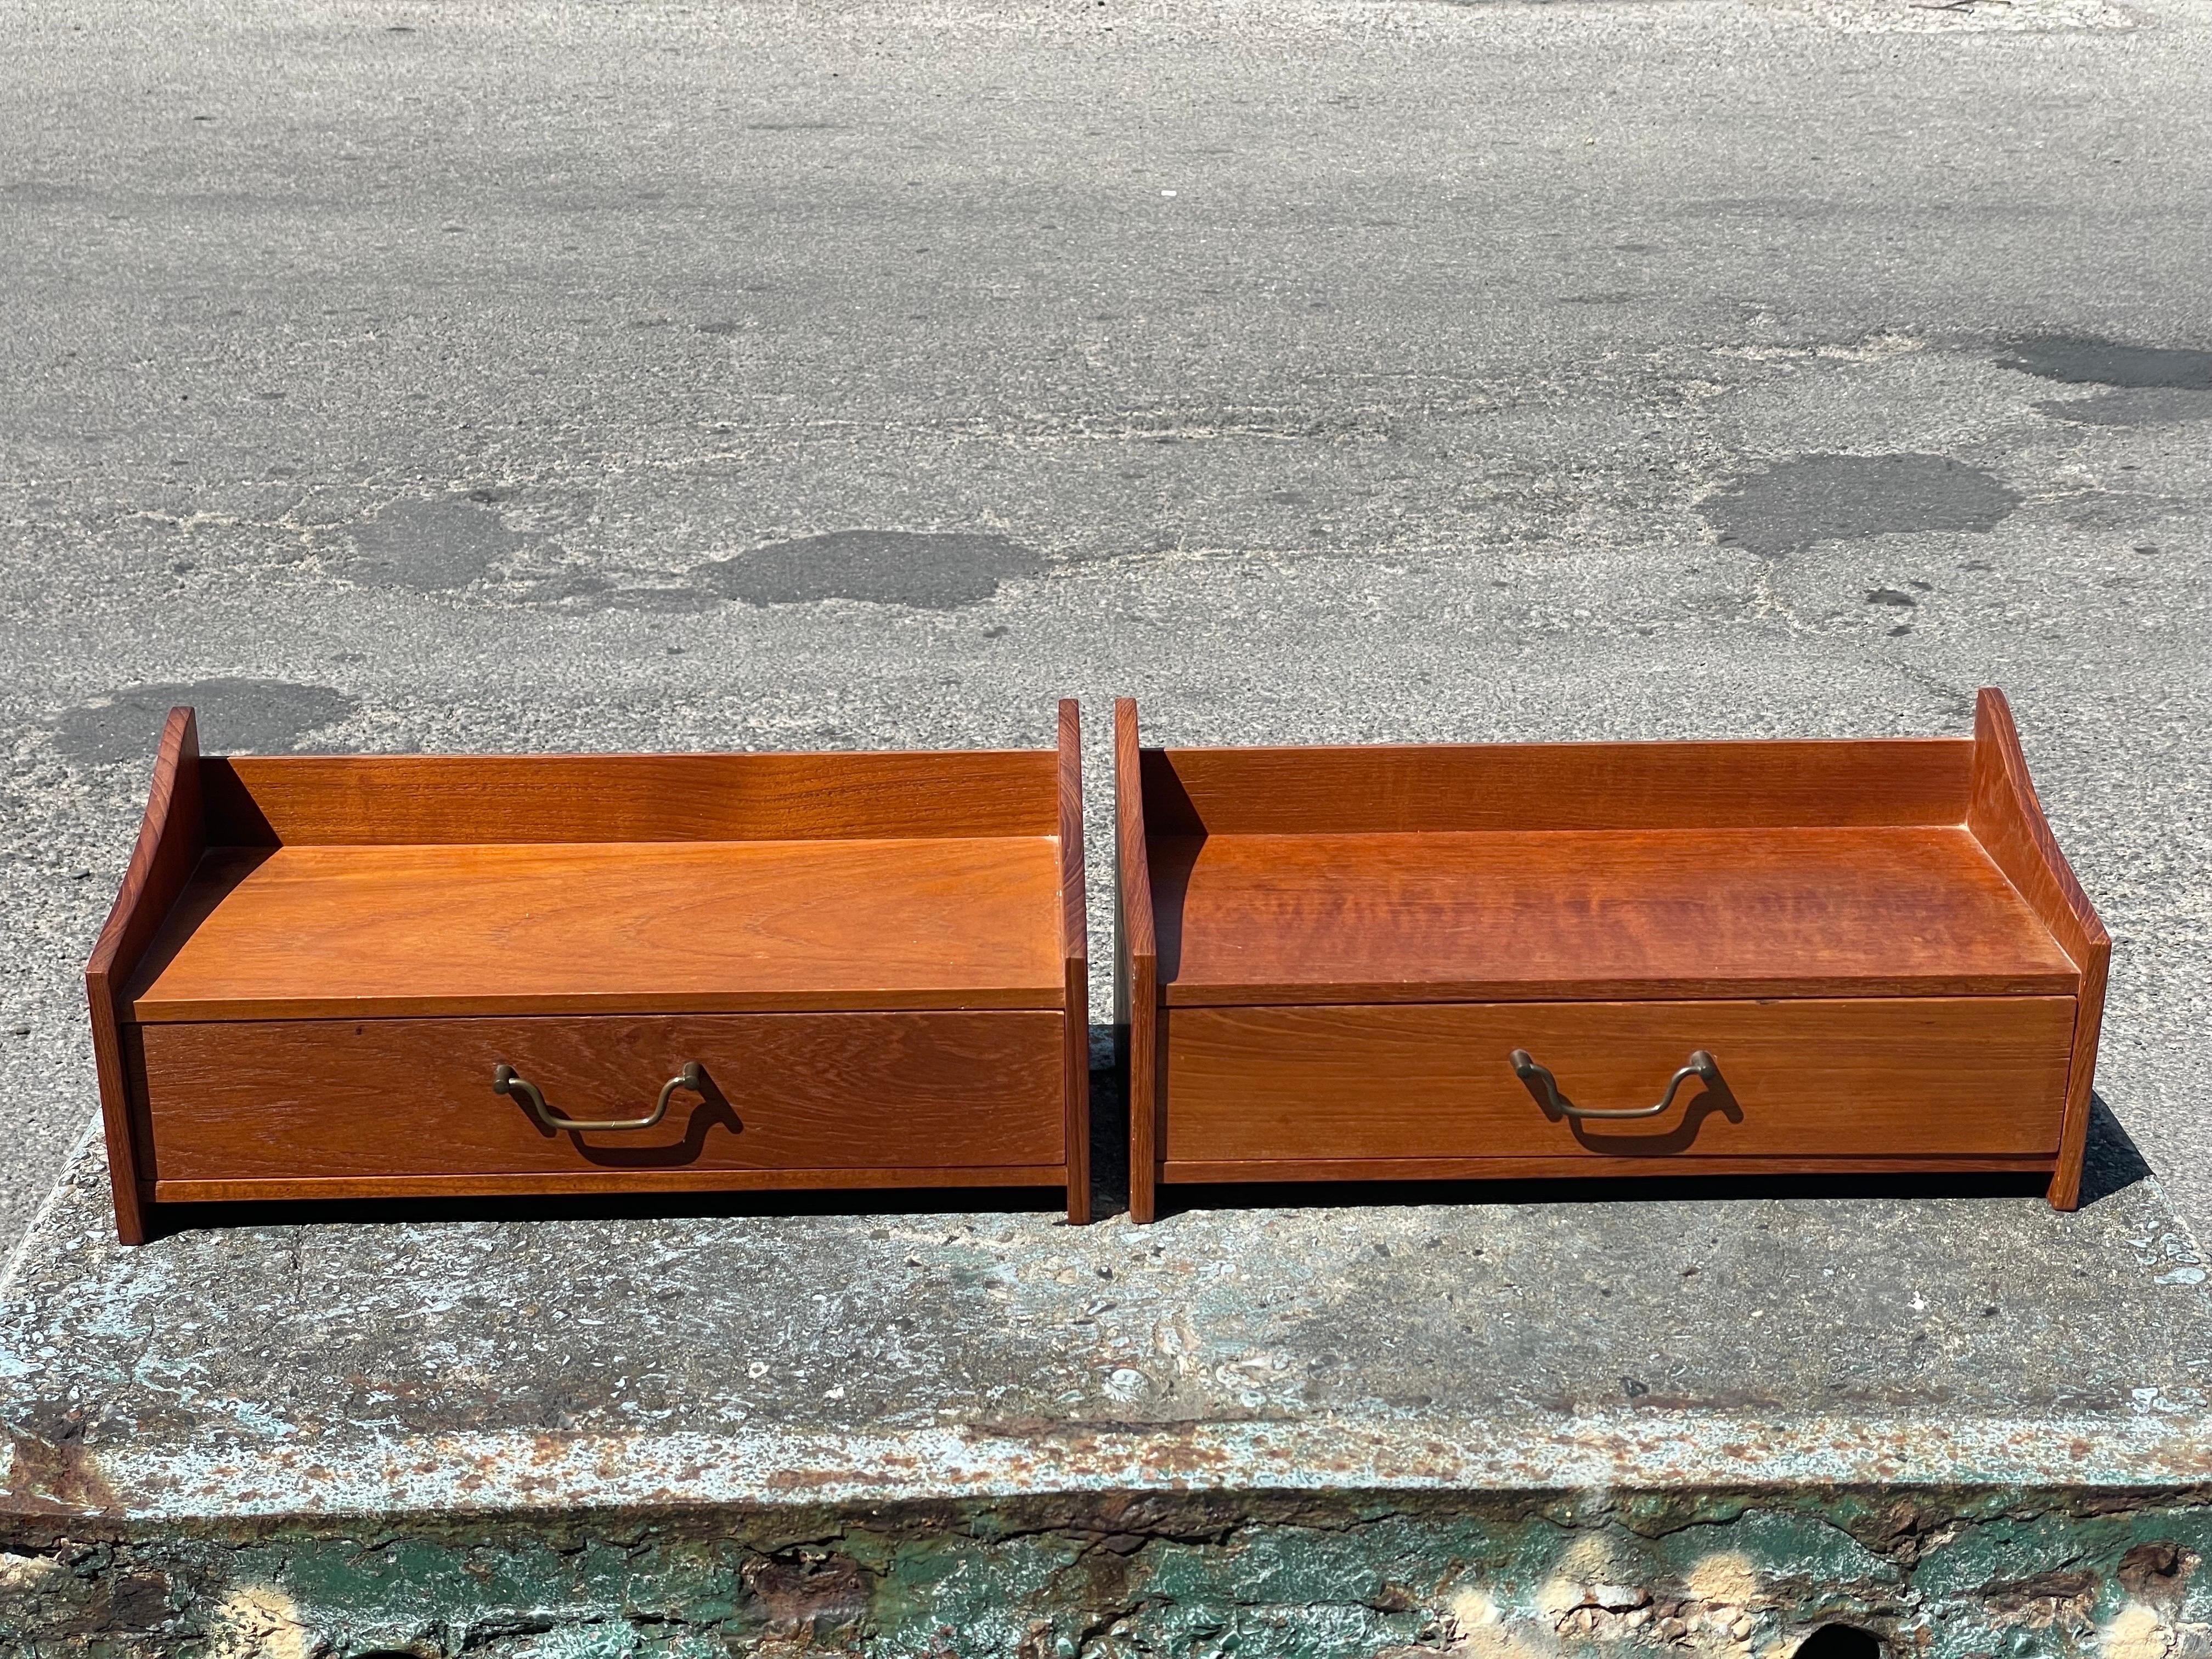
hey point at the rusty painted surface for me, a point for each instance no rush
(1946, 1575)
(342, 1474)
(1705, 1427)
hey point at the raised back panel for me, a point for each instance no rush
(1581, 786)
(394, 799)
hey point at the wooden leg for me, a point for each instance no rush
(1078, 1135)
(1144, 1097)
(1076, 1085)
(132, 1223)
(1136, 962)
(2081, 1082)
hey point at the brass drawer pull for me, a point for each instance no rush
(1702, 1066)
(506, 1081)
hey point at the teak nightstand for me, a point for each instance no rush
(374, 976)
(1599, 959)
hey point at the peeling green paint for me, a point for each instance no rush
(1938, 1576)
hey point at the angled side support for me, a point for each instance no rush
(2006, 818)
(171, 840)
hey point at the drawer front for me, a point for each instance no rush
(305, 1099)
(1902, 1077)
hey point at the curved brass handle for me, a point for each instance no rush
(1702, 1067)
(506, 1081)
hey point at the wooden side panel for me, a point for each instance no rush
(1136, 965)
(385, 799)
(309, 1100)
(1928, 1077)
(171, 840)
(1075, 940)
(1580, 785)
(2008, 820)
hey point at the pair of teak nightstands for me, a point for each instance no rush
(466, 975)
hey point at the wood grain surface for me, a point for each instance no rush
(599, 1182)
(313, 931)
(169, 847)
(1408, 789)
(1326, 918)
(1582, 1166)
(1075, 945)
(296, 800)
(303, 1100)
(1136, 961)
(2008, 820)
(1976, 1076)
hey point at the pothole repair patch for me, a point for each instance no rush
(236, 716)
(2078, 360)
(1815, 498)
(938, 572)
(431, 546)
(2152, 385)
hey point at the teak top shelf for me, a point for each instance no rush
(578, 927)
(1507, 915)
(1912, 866)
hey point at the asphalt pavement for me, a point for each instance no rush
(411, 377)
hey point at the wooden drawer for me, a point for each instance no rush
(1798, 1080)
(946, 1095)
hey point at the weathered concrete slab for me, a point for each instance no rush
(1335, 1431)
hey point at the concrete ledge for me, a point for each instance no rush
(1702, 1423)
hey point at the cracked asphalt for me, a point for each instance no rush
(399, 376)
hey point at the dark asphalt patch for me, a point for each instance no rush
(882, 567)
(236, 716)
(1815, 498)
(2135, 406)
(2079, 361)
(433, 546)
